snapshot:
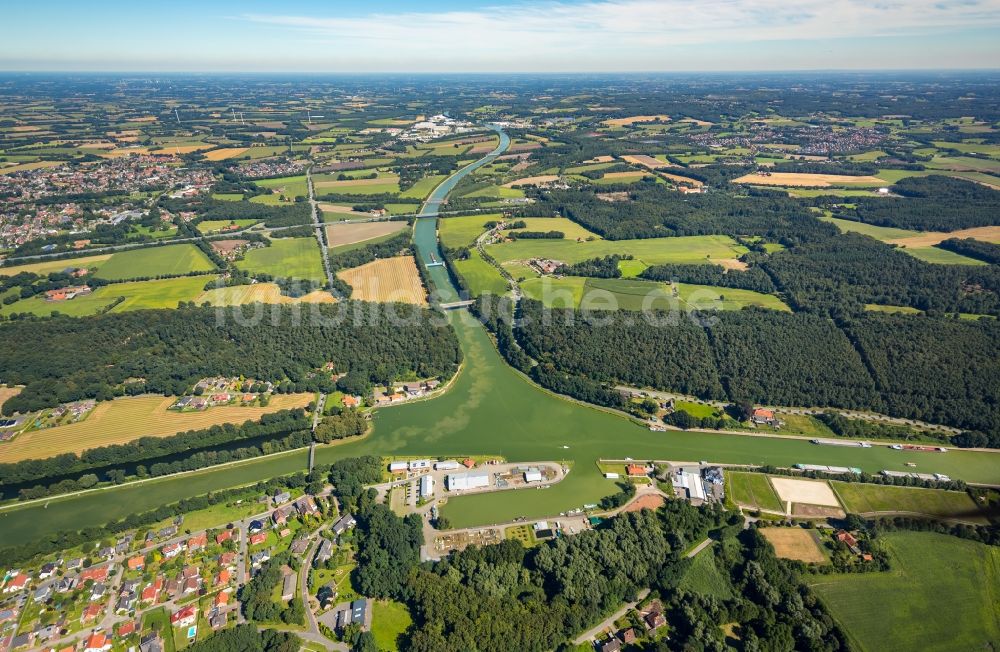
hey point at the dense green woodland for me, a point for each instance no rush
(932, 203)
(938, 370)
(984, 251)
(167, 351)
(842, 273)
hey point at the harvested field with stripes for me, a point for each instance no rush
(345, 234)
(626, 122)
(238, 295)
(646, 161)
(225, 153)
(795, 543)
(127, 419)
(386, 280)
(808, 180)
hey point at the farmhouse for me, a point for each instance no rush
(763, 416)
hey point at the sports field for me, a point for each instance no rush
(795, 543)
(238, 295)
(942, 594)
(154, 261)
(862, 498)
(810, 492)
(127, 419)
(754, 491)
(346, 234)
(286, 258)
(652, 251)
(386, 280)
(808, 180)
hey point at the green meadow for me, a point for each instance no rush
(480, 276)
(462, 231)
(652, 251)
(864, 498)
(941, 593)
(155, 261)
(286, 258)
(290, 187)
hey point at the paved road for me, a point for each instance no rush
(317, 222)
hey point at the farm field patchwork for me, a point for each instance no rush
(155, 261)
(941, 594)
(290, 187)
(920, 244)
(286, 258)
(127, 419)
(386, 280)
(570, 229)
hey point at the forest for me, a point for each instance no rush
(167, 351)
(841, 274)
(931, 203)
(754, 278)
(984, 251)
(367, 253)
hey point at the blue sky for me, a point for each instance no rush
(500, 36)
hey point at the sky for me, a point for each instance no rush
(344, 36)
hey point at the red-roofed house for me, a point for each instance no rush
(222, 578)
(172, 550)
(764, 416)
(223, 536)
(184, 617)
(17, 583)
(197, 542)
(92, 612)
(97, 643)
(636, 470)
(221, 599)
(258, 538)
(469, 462)
(136, 563)
(126, 629)
(350, 401)
(96, 573)
(847, 537)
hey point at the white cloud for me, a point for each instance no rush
(561, 31)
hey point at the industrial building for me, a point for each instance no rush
(464, 481)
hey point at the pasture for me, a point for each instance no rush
(480, 276)
(386, 280)
(163, 293)
(861, 498)
(456, 232)
(530, 181)
(651, 251)
(49, 266)
(239, 295)
(290, 187)
(286, 258)
(570, 229)
(636, 294)
(127, 419)
(214, 226)
(753, 491)
(390, 620)
(703, 576)
(347, 234)
(941, 594)
(795, 543)
(646, 161)
(808, 180)
(422, 188)
(82, 306)
(385, 183)
(635, 119)
(154, 261)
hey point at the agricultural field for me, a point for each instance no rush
(754, 491)
(154, 261)
(570, 229)
(49, 266)
(214, 226)
(336, 212)
(652, 251)
(480, 276)
(286, 258)
(290, 187)
(126, 419)
(861, 498)
(809, 492)
(795, 543)
(422, 188)
(456, 232)
(386, 280)
(635, 294)
(338, 235)
(961, 163)
(809, 180)
(941, 594)
(238, 295)
(920, 244)
(636, 119)
(385, 183)
(224, 153)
